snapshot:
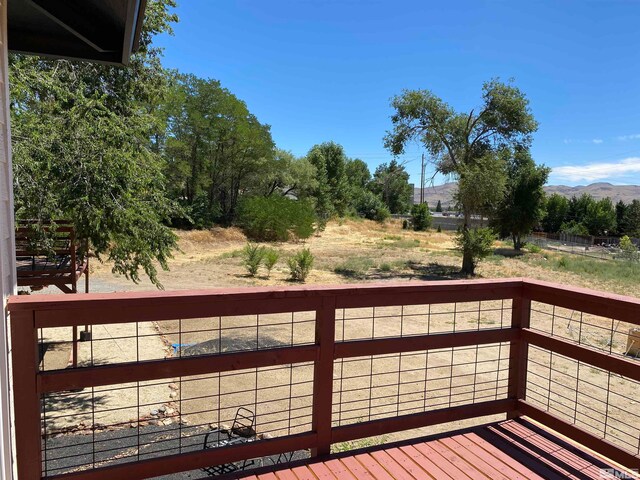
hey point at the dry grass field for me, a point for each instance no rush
(364, 388)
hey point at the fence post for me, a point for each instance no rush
(26, 402)
(323, 375)
(518, 351)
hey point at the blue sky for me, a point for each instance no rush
(320, 70)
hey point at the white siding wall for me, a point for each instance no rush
(7, 247)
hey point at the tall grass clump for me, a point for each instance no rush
(271, 257)
(300, 265)
(252, 256)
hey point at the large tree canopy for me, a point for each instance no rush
(460, 140)
(215, 148)
(522, 207)
(82, 149)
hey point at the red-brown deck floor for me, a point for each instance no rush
(513, 449)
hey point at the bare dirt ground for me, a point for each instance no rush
(347, 252)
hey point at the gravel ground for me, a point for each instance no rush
(68, 453)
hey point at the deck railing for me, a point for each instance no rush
(316, 366)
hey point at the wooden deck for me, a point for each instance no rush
(513, 449)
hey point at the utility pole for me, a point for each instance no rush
(422, 181)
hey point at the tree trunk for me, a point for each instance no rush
(517, 242)
(468, 265)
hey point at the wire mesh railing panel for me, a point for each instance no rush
(103, 426)
(116, 343)
(410, 320)
(387, 386)
(601, 333)
(597, 400)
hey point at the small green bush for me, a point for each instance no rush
(276, 218)
(628, 251)
(563, 262)
(368, 205)
(420, 217)
(300, 265)
(252, 257)
(271, 257)
(533, 248)
(439, 230)
(405, 224)
(477, 241)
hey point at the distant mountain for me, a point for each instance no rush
(445, 192)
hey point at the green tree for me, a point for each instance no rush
(84, 149)
(358, 174)
(215, 148)
(391, 183)
(439, 206)
(286, 175)
(579, 206)
(600, 218)
(368, 205)
(332, 191)
(556, 213)
(633, 219)
(459, 140)
(420, 217)
(522, 207)
(621, 217)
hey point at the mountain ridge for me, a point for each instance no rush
(597, 190)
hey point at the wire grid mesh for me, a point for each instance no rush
(128, 422)
(409, 320)
(384, 386)
(604, 334)
(597, 400)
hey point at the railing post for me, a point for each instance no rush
(323, 375)
(519, 351)
(26, 403)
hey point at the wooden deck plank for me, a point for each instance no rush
(482, 461)
(567, 456)
(357, 469)
(374, 467)
(394, 468)
(321, 471)
(501, 455)
(451, 456)
(518, 455)
(286, 474)
(303, 473)
(411, 466)
(339, 470)
(520, 444)
(424, 462)
(510, 450)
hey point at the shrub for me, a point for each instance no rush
(405, 224)
(563, 262)
(533, 248)
(271, 257)
(477, 241)
(252, 258)
(300, 265)
(628, 251)
(276, 218)
(574, 228)
(368, 205)
(439, 229)
(420, 217)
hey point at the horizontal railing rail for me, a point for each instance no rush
(365, 346)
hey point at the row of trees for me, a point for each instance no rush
(128, 152)
(218, 153)
(586, 216)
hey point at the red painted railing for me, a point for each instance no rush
(325, 365)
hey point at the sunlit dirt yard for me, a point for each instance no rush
(346, 252)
